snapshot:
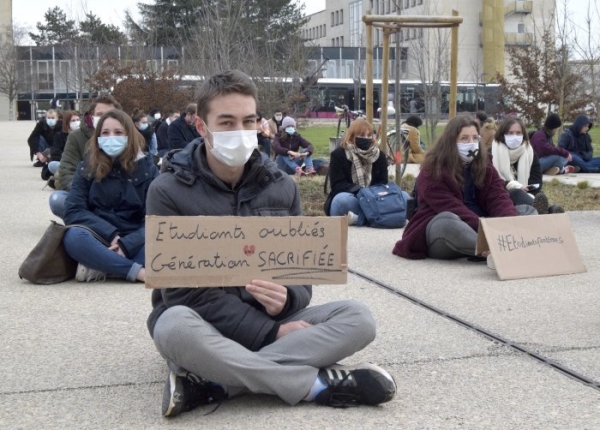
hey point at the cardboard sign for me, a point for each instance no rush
(530, 246)
(230, 251)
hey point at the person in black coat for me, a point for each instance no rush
(183, 130)
(42, 136)
(162, 133)
(357, 162)
(108, 198)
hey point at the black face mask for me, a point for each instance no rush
(363, 143)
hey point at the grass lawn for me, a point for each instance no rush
(572, 198)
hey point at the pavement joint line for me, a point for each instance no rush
(87, 387)
(487, 334)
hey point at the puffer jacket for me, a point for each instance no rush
(188, 187)
(114, 206)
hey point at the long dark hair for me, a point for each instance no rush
(443, 156)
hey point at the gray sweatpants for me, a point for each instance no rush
(449, 237)
(287, 368)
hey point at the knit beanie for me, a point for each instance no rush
(288, 121)
(553, 121)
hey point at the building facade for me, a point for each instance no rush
(489, 28)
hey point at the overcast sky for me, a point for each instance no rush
(28, 12)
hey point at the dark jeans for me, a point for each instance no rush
(590, 166)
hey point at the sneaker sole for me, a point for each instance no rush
(170, 405)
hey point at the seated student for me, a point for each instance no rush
(275, 122)
(553, 160)
(578, 142)
(356, 163)
(517, 164)
(71, 122)
(140, 119)
(264, 136)
(183, 130)
(75, 149)
(161, 133)
(108, 196)
(260, 337)
(416, 152)
(456, 186)
(289, 157)
(42, 137)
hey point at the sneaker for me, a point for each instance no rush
(38, 163)
(540, 203)
(552, 171)
(352, 218)
(87, 274)
(299, 171)
(366, 384)
(310, 171)
(490, 262)
(184, 392)
(556, 209)
(568, 169)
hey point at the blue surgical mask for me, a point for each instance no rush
(113, 146)
(143, 126)
(290, 130)
(51, 122)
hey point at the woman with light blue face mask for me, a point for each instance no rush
(140, 119)
(108, 200)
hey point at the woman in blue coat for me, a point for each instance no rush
(108, 200)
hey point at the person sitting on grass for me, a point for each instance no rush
(577, 140)
(553, 160)
(416, 151)
(292, 150)
(356, 163)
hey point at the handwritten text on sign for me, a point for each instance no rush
(231, 251)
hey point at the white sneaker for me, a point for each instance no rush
(86, 274)
(352, 218)
(490, 262)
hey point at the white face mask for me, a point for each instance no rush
(75, 125)
(233, 148)
(467, 151)
(96, 120)
(513, 141)
(157, 115)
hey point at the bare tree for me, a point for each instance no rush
(11, 81)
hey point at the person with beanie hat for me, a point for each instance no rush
(553, 160)
(578, 142)
(292, 150)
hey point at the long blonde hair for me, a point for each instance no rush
(101, 164)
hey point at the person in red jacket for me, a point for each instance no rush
(457, 185)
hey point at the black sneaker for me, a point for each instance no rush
(556, 209)
(540, 203)
(365, 384)
(184, 392)
(38, 163)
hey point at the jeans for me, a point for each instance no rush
(552, 161)
(83, 247)
(43, 144)
(343, 203)
(265, 142)
(590, 166)
(57, 203)
(289, 166)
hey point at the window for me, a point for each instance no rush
(406, 4)
(341, 40)
(341, 16)
(332, 41)
(337, 17)
(401, 36)
(332, 19)
(421, 33)
(324, 30)
(355, 23)
(420, 2)
(521, 28)
(44, 76)
(413, 3)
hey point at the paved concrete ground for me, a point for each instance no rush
(78, 355)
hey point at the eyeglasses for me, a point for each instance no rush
(469, 139)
